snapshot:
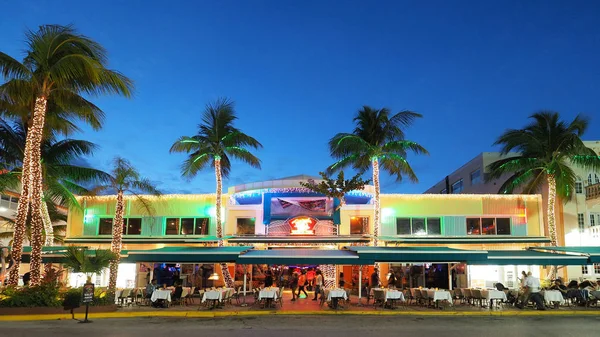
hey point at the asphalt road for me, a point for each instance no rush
(323, 326)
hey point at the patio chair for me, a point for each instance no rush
(279, 298)
(236, 295)
(378, 298)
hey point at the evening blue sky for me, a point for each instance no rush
(299, 71)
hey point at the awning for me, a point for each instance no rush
(298, 239)
(529, 257)
(56, 254)
(143, 240)
(186, 254)
(593, 253)
(470, 239)
(301, 256)
(419, 254)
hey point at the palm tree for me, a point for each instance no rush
(336, 188)
(216, 141)
(59, 66)
(61, 178)
(547, 148)
(124, 178)
(377, 141)
(79, 261)
(57, 221)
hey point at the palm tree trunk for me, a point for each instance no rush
(551, 179)
(32, 178)
(49, 241)
(117, 242)
(377, 215)
(219, 176)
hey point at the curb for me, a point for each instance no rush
(212, 314)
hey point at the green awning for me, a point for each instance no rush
(529, 257)
(147, 239)
(419, 254)
(593, 253)
(302, 256)
(186, 254)
(469, 239)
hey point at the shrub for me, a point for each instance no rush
(45, 295)
(72, 298)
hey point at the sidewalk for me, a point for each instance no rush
(308, 307)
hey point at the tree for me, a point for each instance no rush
(124, 178)
(336, 188)
(62, 179)
(79, 260)
(8, 227)
(216, 141)
(547, 147)
(377, 141)
(59, 66)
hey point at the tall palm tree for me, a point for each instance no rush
(59, 66)
(377, 141)
(123, 179)
(547, 147)
(61, 177)
(216, 141)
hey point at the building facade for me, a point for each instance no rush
(427, 239)
(578, 220)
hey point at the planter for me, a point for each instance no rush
(56, 310)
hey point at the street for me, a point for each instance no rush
(325, 326)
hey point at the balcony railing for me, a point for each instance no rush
(592, 192)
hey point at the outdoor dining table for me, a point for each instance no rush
(493, 294)
(390, 295)
(215, 295)
(439, 295)
(161, 295)
(334, 295)
(268, 295)
(553, 296)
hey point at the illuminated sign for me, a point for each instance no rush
(302, 225)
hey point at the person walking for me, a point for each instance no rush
(294, 285)
(302, 282)
(318, 284)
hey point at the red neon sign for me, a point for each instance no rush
(303, 225)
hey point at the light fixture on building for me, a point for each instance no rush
(214, 277)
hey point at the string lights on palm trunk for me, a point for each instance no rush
(117, 242)
(219, 177)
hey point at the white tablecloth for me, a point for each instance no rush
(161, 295)
(390, 294)
(493, 294)
(215, 295)
(439, 295)
(553, 296)
(270, 292)
(339, 293)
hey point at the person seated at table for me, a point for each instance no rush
(342, 284)
(150, 288)
(178, 292)
(558, 285)
(269, 279)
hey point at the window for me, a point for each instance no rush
(187, 226)
(596, 268)
(418, 226)
(201, 227)
(132, 226)
(578, 187)
(434, 226)
(172, 226)
(245, 226)
(593, 179)
(105, 226)
(476, 177)
(5, 198)
(403, 226)
(584, 269)
(359, 225)
(457, 187)
(592, 219)
(488, 226)
(581, 222)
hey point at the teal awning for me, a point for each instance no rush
(186, 254)
(419, 254)
(147, 239)
(529, 257)
(593, 253)
(469, 239)
(301, 256)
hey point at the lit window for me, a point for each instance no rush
(476, 177)
(172, 226)
(201, 226)
(105, 226)
(581, 222)
(359, 225)
(488, 226)
(457, 187)
(245, 226)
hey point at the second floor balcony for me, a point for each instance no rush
(592, 192)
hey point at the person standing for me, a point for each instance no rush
(375, 278)
(294, 285)
(318, 284)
